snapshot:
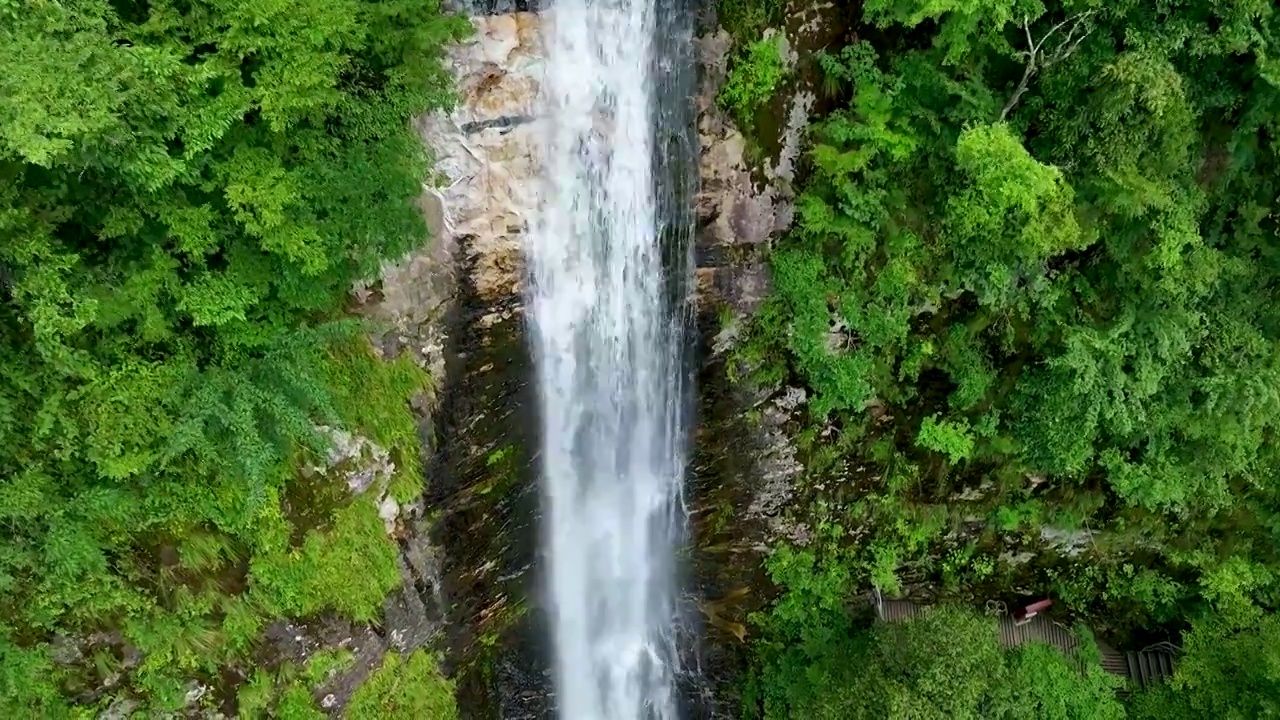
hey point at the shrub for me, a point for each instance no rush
(753, 79)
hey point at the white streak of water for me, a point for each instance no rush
(608, 370)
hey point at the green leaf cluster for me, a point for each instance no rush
(1229, 669)
(746, 19)
(410, 688)
(288, 693)
(946, 663)
(1030, 286)
(754, 78)
(187, 193)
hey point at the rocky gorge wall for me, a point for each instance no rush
(469, 550)
(482, 491)
(457, 304)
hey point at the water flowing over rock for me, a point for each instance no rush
(458, 304)
(608, 341)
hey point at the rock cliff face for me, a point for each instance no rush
(457, 305)
(746, 471)
(742, 208)
(482, 492)
(486, 150)
(742, 470)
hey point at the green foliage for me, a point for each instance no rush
(255, 696)
(1228, 670)
(952, 439)
(30, 683)
(374, 395)
(288, 693)
(187, 193)
(755, 75)
(317, 576)
(747, 19)
(1044, 685)
(411, 688)
(960, 22)
(945, 664)
(817, 590)
(1052, 266)
(296, 703)
(1010, 215)
(327, 663)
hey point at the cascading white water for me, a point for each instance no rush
(607, 349)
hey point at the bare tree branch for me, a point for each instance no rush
(1035, 62)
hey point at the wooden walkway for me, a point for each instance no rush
(1141, 668)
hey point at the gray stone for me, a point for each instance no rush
(491, 164)
(792, 398)
(121, 708)
(1071, 543)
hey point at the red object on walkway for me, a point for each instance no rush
(1026, 612)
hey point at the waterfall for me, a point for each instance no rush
(608, 344)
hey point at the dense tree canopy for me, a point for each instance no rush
(1231, 669)
(1032, 281)
(1031, 294)
(946, 664)
(187, 192)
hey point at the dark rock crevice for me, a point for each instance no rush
(484, 499)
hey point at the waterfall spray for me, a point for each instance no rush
(608, 342)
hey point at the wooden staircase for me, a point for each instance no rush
(1142, 667)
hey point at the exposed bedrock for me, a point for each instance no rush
(457, 304)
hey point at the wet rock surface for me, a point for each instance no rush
(482, 491)
(484, 498)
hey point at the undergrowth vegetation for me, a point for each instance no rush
(286, 693)
(1029, 295)
(946, 664)
(404, 689)
(187, 193)
(748, 19)
(411, 687)
(754, 79)
(302, 581)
